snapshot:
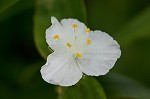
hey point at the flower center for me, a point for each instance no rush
(80, 40)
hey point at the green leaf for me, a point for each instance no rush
(87, 88)
(135, 29)
(121, 87)
(5, 4)
(110, 15)
(134, 39)
(58, 8)
(134, 61)
(13, 8)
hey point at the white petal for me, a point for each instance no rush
(61, 69)
(67, 25)
(54, 20)
(101, 55)
(55, 29)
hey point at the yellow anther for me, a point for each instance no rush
(56, 37)
(88, 30)
(74, 25)
(69, 45)
(88, 41)
(79, 55)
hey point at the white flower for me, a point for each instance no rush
(77, 50)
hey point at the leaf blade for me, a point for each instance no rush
(120, 87)
(87, 88)
(135, 29)
(5, 4)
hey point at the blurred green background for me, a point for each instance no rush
(23, 48)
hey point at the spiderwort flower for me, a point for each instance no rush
(77, 50)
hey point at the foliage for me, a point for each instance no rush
(22, 41)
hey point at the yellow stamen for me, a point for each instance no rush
(69, 45)
(88, 30)
(79, 55)
(88, 41)
(74, 25)
(56, 37)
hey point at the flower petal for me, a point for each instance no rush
(55, 29)
(68, 23)
(101, 55)
(61, 69)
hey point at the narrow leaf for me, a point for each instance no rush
(135, 29)
(13, 8)
(5, 4)
(121, 87)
